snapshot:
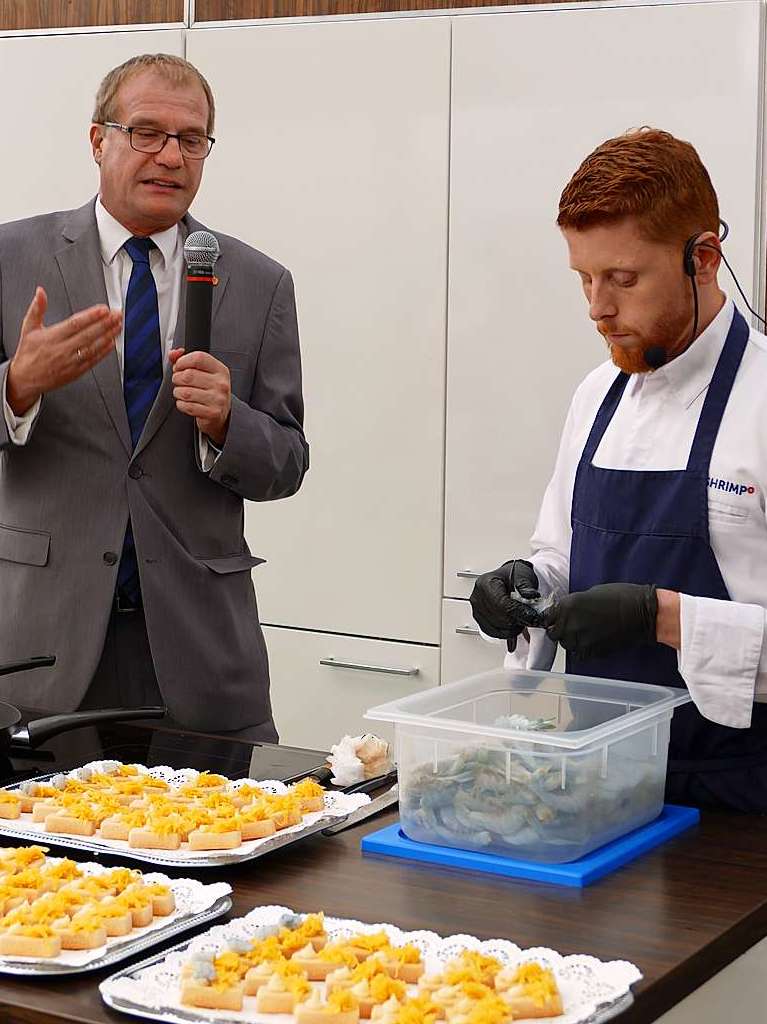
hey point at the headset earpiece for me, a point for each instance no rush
(688, 260)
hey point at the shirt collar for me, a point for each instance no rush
(113, 235)
(691, 372)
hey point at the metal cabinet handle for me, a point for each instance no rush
(335, 663)
(467, 630)
(464, 574)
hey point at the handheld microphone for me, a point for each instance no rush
(200, 253)
(655, 357)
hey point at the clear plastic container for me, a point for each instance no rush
(588, 765)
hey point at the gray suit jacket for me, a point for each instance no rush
(65, 496)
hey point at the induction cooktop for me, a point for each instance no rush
(152, 745)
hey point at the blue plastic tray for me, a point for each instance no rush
(392, 842)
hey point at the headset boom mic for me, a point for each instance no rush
(655, 356)
(200, 253)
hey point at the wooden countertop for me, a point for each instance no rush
(681, 913)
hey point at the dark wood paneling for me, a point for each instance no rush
(20, 14)
(681, 912)
(236, 10)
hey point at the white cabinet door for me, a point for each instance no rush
(332, 156)
(533, 93)
(464, 651)
(323, 684)
(49, 84)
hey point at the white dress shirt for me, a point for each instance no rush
(723, 656)
(166, 262)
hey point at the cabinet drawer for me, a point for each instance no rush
(322, 684)
(464, 651)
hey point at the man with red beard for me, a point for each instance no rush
(653, 530)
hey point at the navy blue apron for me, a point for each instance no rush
(652, 527)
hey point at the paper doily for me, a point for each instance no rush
(586, 983)
(192, 897)
(337, 805)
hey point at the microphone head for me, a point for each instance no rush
(655, 356)
(201, 250)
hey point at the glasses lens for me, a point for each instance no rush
(147, 140)
(195, 146)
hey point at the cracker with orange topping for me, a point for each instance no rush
(30, 940)
(530, 990)
(318, 964)
(310, 793)
(124, 803)
(222, 834)
(52, 905)
(339, 1008)
(77, 819)
(10, 804)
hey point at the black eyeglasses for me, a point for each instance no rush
(152, 140)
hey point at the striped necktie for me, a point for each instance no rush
(142, 376)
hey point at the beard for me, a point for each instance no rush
(670, 331)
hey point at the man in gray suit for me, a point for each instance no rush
(124, 461)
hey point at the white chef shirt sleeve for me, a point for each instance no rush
(19, 427)
(722, 656)
(551, 544)
(209, 453)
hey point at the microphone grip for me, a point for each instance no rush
(199, 304)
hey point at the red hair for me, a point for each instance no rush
(647, 174)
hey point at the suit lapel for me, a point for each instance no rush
(165, 401)
(83, 273)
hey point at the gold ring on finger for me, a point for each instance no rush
(79, 354)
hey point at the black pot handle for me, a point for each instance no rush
(44, 661)
(370, 785)
(41, 729)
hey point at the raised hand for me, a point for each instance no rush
(46, 358)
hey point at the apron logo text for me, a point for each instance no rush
(729, 486)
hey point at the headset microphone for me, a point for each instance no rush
(655, 356)
(688, 262)
(689, 267)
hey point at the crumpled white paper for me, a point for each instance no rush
(357, 758)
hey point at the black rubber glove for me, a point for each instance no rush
(604, 619)
(492, 601)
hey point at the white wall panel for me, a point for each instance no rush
(48, 84)
(333, 158)
(740, 984)
(533, 93)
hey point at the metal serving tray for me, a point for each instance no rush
(250, 850)
(120, 951)
(603, 1012)
(136, 1010)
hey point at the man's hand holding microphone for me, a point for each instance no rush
(202, 385)
(48, 357)
(202, 388)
